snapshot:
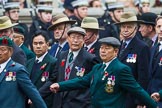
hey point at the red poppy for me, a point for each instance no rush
(62, 63)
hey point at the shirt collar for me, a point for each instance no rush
(108, 63)
(40, 59)
(3, 65)
(90, 45)
(63, 44)
(75, 53)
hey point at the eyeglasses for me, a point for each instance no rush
(73, 37)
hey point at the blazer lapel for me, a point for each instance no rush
(63, 58)
(157, 61)
(44, 64)
(128, 49)
(30, 65)
(3, 74)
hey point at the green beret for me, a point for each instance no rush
(19, 30)
(6, 41)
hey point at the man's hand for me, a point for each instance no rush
(54, 87)
(155, 96)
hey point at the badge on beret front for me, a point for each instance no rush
(109, 88)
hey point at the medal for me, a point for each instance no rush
(14, 76)
(160, 63)
(110, 84)
(43, 79)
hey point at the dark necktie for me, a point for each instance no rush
(122, 48)
(71, 55)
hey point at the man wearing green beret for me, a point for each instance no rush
(18, 38)
(108, 81)
(15, 84)
(6, 28)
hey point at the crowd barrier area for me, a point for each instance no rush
(25, 15)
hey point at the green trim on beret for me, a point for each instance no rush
(6, 41)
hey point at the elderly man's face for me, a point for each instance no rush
(60, 30)
(107, 52)
(128, 30)
(158, 28)
(91, 36)
(5, 53)
(7, 32)
(76, 41)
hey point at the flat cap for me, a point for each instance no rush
(6, 41)
(76, 30)
(110, 41)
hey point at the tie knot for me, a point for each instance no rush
(103, 65)
(71, 57)
(36, 61)
(86, 48)
(124, 45)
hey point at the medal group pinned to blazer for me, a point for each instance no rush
(80, 71)
(109, 87)
(45, 74)
(10, 76)
(131, 58)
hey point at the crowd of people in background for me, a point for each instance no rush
(72, 60)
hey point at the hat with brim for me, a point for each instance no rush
(110, 41)
(76, 30)
(90, 23)
(59, 19)
(148, 18)
(128, 17)
(5, 23)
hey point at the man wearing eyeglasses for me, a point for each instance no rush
(75, 62)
